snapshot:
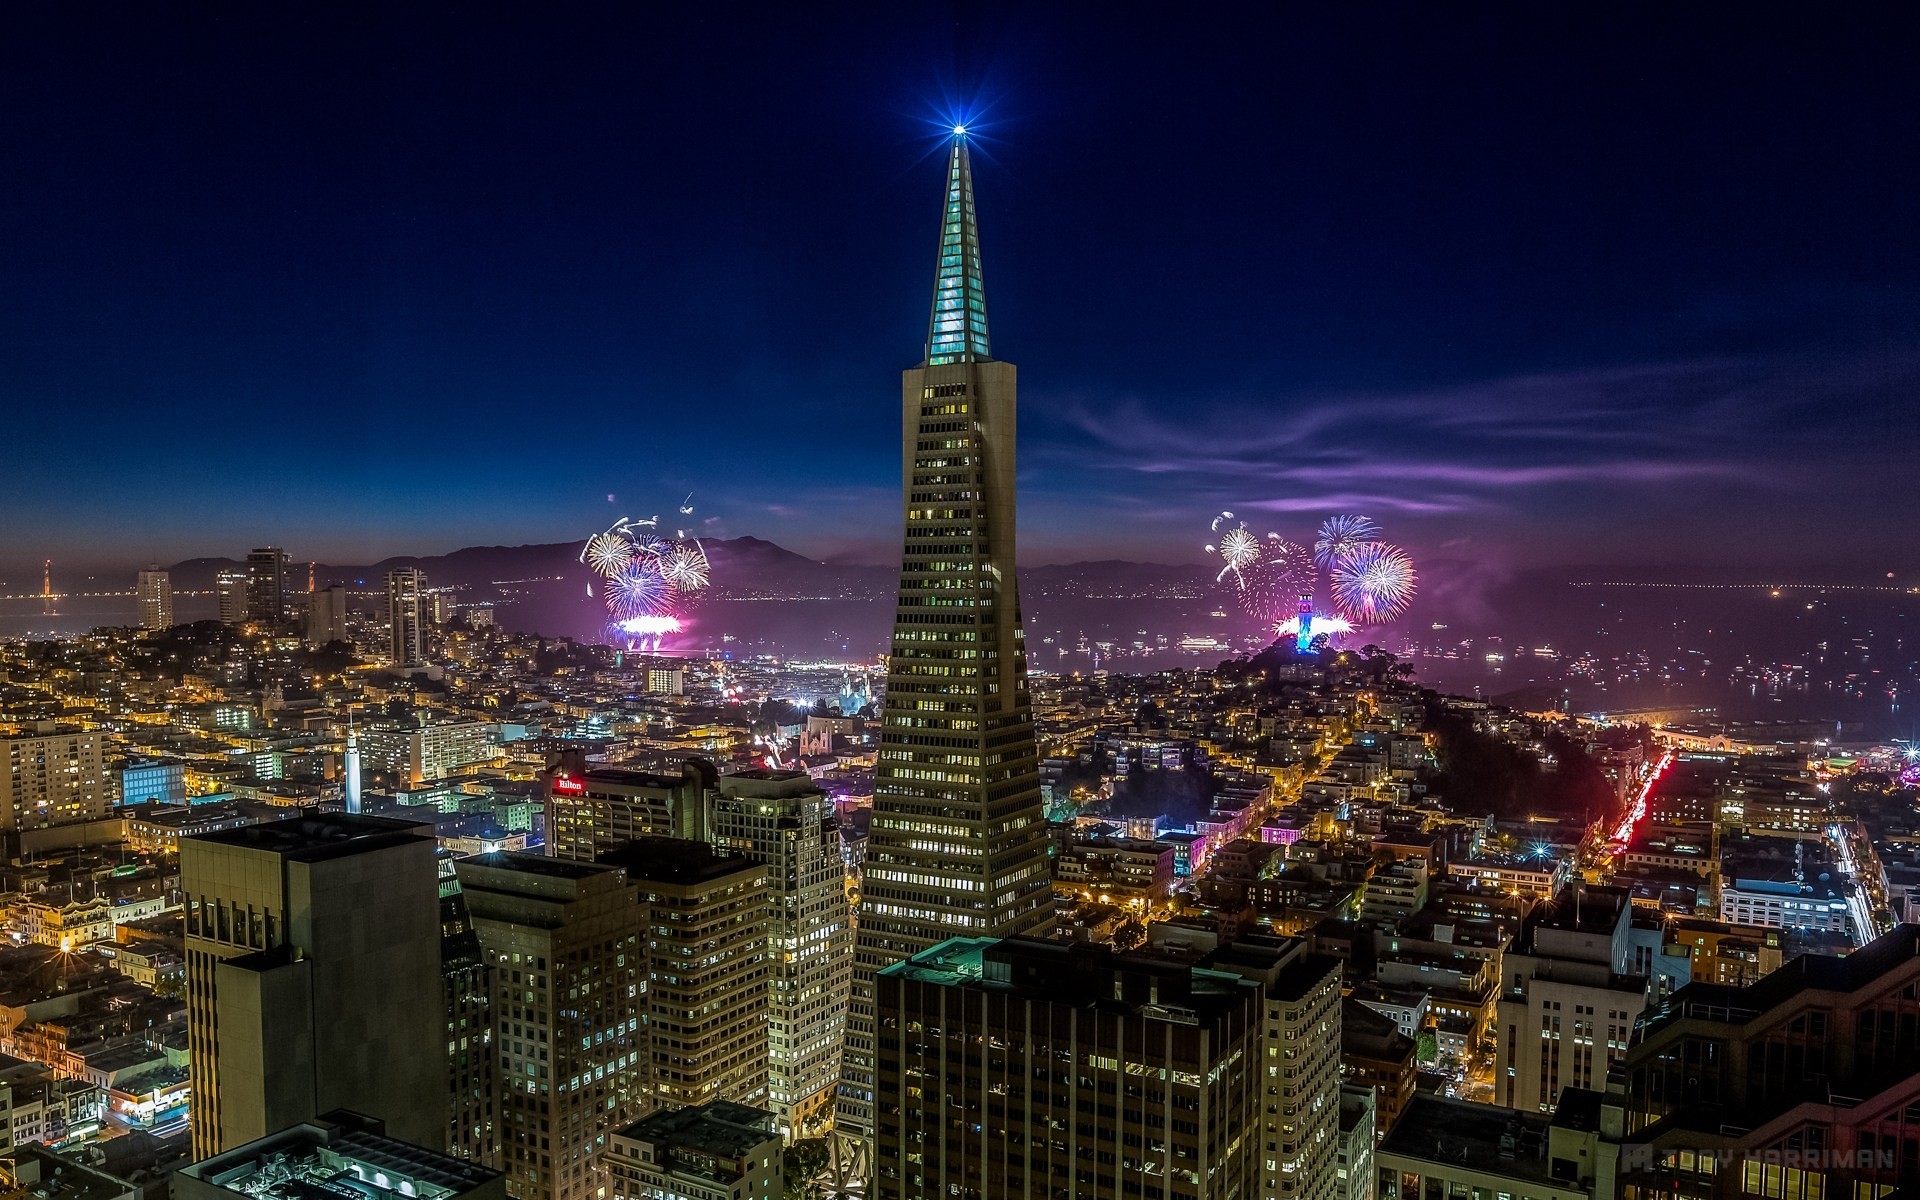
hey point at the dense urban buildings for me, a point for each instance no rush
(313, 978)
(958, 843)
(339, 1154)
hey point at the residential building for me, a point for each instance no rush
(713, 1151)
(406, 617)
(1114, 869)
(230, 589)
(1022, 1066)
(300, 934)
(327, 616)
(705, 920)
(421, 754)
(1374, 1053)
(267, 583)
(958, 838)
(153, 598)
(783, 821)
(568, 974)
(1567, 1007)
(51, 774)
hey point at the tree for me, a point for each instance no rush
(1426, 1047)
(804, 1162)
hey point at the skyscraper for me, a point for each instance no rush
(406, 617)
(782, 819)
(563, 940)
(267, 586)
(231, 587)
(153, 595)
(959, 841)
(705, 917)
(313, 977)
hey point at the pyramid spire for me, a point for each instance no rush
(958, 331)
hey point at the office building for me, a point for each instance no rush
(958, 840)
(51, 774)
(1299, 1076)
(268, 571)
(327, 616)
(716, 1151)
(313, 978)
(705, 920)
(230, 589)
(1567, 1005)
(592, 812)
(564, 943)
(467, 981)
(1026, 1067)
(1801, 1085)
(143, 781)
(406, 617)
(781, 820)
(153, 598)
(343, 1154)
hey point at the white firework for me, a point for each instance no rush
(685, 567)
(608, 553)
(1239, 548)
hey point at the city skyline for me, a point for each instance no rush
(1535, 293)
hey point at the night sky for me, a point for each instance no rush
(1635, 286)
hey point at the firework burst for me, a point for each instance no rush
(685, 567)
(1372, 583)
(648, 579)
(1339, 536)
(608, 553)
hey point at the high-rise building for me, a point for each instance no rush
(327, 616)
(717, 1151)
(564, 942)
(782, 820)
(153, 597)
(52, 774)
(267, 575)
(705, 918)
(1567, 1005)
(467, 976)
(592, 812)
(313, 978)
(1802, 1085)
(958, 842)
(1299, 1077)
(230, 588)
(406, 617)
(1026, 1067)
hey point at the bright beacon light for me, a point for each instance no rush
(960, 130)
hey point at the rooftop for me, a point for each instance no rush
(1494, 1140)
(1078, 974)
(315, 835)
(339, 1155)
(721, 1129)
(675, 860)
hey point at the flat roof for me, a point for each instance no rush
(1486, 1138)
(720, 1128)
(314, 835)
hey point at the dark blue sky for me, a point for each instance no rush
(1636, 285)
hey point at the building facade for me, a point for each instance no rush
(592, 812)
(52, 774)
(716, 1151)
(958, 840)
(783, 821)
(406, 617)
(299, 936)
(267, 580)
(563, 940)
(153, 598)
(705, 918)
(1026, 1067)
(230, 591)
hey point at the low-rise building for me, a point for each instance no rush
(715, 1151)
